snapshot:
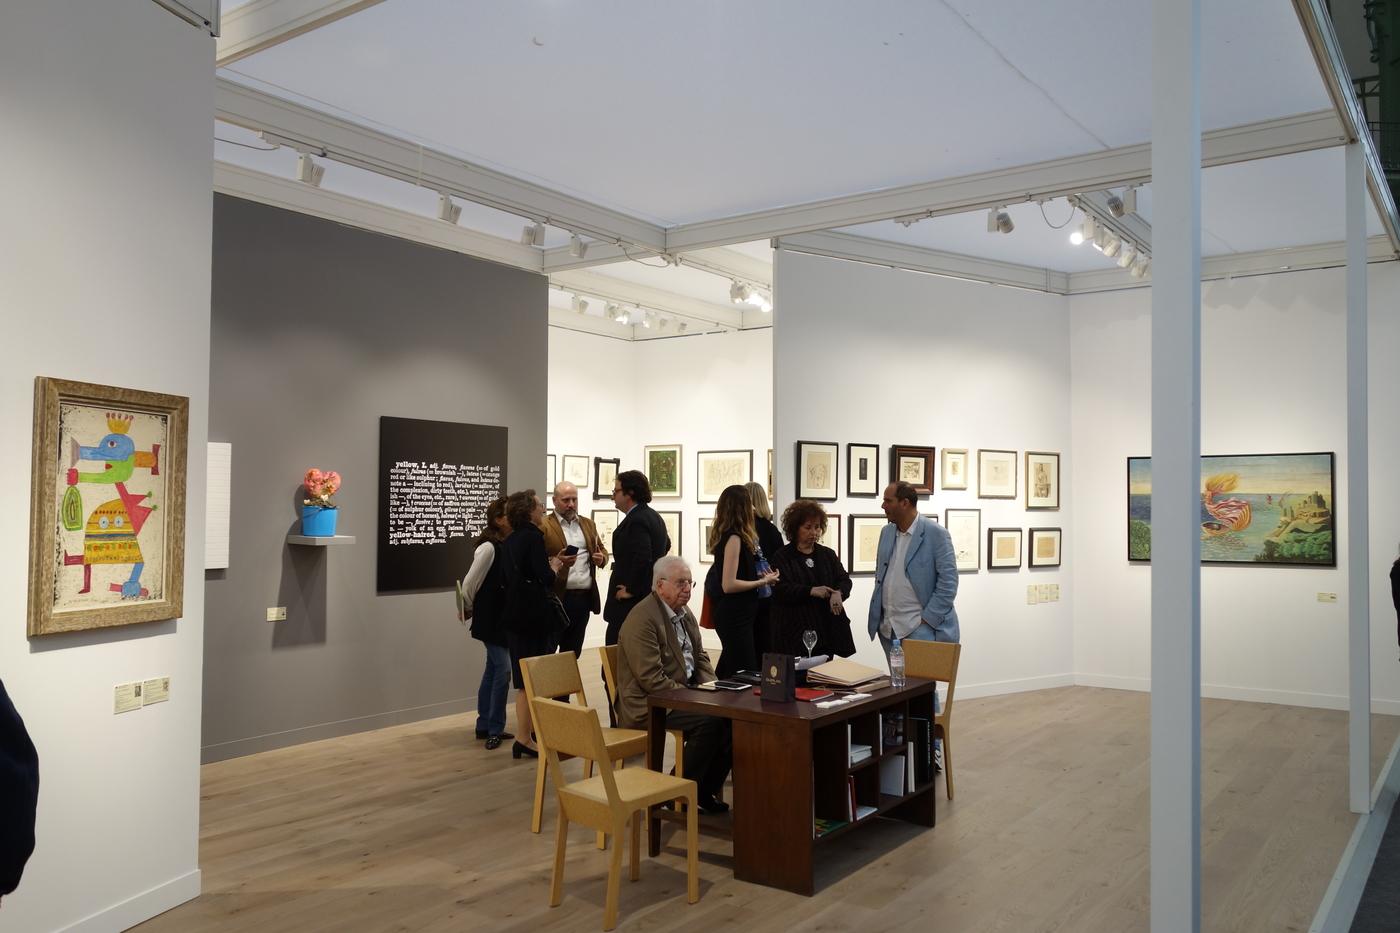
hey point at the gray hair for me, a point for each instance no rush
(663, 568)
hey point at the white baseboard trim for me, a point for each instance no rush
(1338, 907)
(237, 748)
(142, 907)
(1023, 685)
(1247, 694)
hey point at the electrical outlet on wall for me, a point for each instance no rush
(277, 613)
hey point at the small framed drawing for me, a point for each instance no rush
(672, 521)
(862, 469)
(705, 556)
(996, 474)
(965, 527)
(954, 469)
(605, 520)
(832, 536)
(816, 470)
(912, 465)
(107, 506)
(863, 542)
(663, 469)
(719, 469)
(604, 475)
(576, 470)
(551, 472)
(1042, 480)
(771, 494)
(1003, 548)
(1045, 547)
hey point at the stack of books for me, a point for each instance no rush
(849, 675)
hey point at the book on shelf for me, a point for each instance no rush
(921, 739)
(892, 774)
(863, 811)
(850, 798)
(892, 729)
(909, 783)
(840, 672)
(860, 752)
(821, 826)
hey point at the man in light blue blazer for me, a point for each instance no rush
(916, 579)
(916, 574)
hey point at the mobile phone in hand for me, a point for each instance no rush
(571, 550)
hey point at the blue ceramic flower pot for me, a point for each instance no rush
(317, 522)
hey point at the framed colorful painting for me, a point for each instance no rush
(107, 506)
(1255, 509)
(663, 469)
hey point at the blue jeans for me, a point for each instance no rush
(924, 632)
(495, 686)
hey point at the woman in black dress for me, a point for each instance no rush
(527, 565)
(734, 544)
(770, 539)
(813, 589)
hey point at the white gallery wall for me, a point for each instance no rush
(104, 277)
(871, 355)
(1273, 380)
(611, 398)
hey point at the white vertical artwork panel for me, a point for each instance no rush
(217, 505)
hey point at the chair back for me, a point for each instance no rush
(609, 655)
(574, 730)
(934, 660)
(552, 675)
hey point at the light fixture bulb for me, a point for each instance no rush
(1115, 205)
(577, 248)
(739, 293)
(1126, 257)
(1076, 238)
(1111, 248)
(1139, 267)
(999, 221)
(580, 304)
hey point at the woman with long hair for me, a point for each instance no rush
(734, 545)
(483, 603)
(527, 566)
(770, 539)
(811, 597)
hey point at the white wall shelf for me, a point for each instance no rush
(320, 541)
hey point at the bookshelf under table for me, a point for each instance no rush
(792, 767)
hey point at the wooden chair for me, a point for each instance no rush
(555, 675)
(609, 655)
(936, 660)
(608, 801)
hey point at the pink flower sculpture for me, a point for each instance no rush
(320, 487)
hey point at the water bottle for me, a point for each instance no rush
(896, 665)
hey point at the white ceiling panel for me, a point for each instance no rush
(688, 112)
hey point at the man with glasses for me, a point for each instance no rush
(659, 649)
(638, 541)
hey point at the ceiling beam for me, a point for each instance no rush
(342, 141)
(1327, 51)
(623, 292)
(588, 324)
(920, 259)
(1055, 178)
(261, 24)
(366, 215)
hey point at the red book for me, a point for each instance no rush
(812, 693)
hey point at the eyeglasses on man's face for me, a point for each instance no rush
(682, 584)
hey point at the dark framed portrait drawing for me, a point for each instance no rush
(912, 465)
(862, 469)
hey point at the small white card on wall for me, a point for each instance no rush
(127, 698)
(156, 690)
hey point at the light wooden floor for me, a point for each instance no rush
(418, 828)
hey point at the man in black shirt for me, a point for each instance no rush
(19, 794)
(639, 541)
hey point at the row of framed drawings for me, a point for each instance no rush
(996, 472)
(716, 469)
(1004, 551)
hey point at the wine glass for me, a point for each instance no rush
(809, 638)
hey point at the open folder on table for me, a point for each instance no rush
(840, 672)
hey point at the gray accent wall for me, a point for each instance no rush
(318, 330)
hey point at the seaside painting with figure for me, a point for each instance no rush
(1254, 509)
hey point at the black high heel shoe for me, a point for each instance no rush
(516, 750)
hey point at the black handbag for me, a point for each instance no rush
(533, 608)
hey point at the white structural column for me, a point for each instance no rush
(1176, 467)
(1358, 465)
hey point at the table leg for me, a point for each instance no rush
(656, 755)
(773, 804)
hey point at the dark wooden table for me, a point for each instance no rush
(791, 765)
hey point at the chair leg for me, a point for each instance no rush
(948, 765)
(561, 839)
(692, 853)
(637, 844)
(602, 836)
(614, 879)
(537, 817)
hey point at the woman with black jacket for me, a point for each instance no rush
(734, 544)
(811, 594)
(527, 566)
(483, 604)
(770, 539)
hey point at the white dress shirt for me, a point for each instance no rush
(902, 611)
(580, 577)
(482, 560)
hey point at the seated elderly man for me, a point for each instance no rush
(658, 648)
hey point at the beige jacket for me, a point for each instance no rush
(649, 659)
(554, 543)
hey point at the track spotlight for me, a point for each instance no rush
(579, 304)
(1140, 267)
(447, 211)
(999, 221)
(577, 248)
(1085, 233)
(1126, 257)
(739, 292)
(308, 172)
(681, 327)
(532, 235)
(648, 319)
(1112, 246)
(1115, 205)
